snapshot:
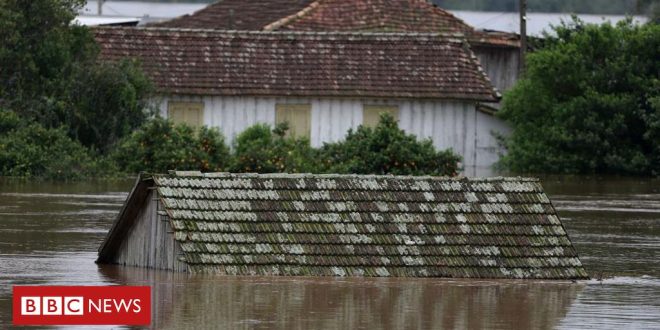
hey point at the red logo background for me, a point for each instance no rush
(94, 293)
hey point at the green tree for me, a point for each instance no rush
(38, 48)
(49, 73)
(588, 103)
(160, 145)
(105, 102)
(386, 149)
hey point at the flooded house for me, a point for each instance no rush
(341, 225)
(321, 83)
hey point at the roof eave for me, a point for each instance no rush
(495, 97)
(125, 219)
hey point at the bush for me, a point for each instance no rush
(386, 149)
(588, 103)
(260, 149)
(160, 145)
(30, 150)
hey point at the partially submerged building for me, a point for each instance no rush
(342, 225)
(322, 83)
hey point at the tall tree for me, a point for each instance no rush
(38, 49)
(589, 103)
(49, 73)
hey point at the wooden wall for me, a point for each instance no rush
(500, 64)
(449, 123)
(150, 243)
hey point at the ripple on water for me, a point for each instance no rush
(121, 196)
(616, 303)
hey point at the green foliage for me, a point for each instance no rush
(588, 103)
(107, 102)
(160, 146)
(49, 73)
(386, 149)
(30, 150)
(261, 150)
(38, 48)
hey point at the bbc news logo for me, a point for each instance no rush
(82, 305)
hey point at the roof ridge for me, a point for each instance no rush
(458, 35)
(434, 8)
(449, 14)
(193, 174)
(285, 20)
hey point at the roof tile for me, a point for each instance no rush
(237, 15)
(211, 62)
(338, 225)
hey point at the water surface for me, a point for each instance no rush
(49, 234)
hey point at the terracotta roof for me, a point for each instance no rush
(374, 15)
(336, 15)
(213, 62)
(384, 16)
(237, 15)
(348, 225)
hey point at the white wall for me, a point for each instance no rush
(450, 124)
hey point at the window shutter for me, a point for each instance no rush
(371, 113)
(297, 115)
(191, 113)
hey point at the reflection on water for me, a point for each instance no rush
(349, 303)
(49, 234)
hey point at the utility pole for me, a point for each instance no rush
(523, 35)
(100, 7)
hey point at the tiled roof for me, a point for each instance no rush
(335, 15)
(384, 16)
(374, 15)
(237, 15)
(213, 62)
(342, 225)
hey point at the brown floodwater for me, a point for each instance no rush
(49, 234)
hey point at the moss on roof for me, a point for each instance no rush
(349, 225)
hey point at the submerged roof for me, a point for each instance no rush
(349, 225)
(214, 62)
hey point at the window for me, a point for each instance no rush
(191, 113)
(371, 113)
(297, 115)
